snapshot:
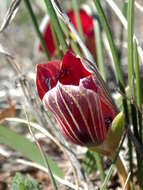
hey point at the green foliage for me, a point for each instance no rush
(89, 162)
(19, 182)
(26, 148)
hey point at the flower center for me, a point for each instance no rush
(108, 122)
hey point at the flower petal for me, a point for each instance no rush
(86, 21)
(78, 112)
(107, 105)
(47, 76)
(72, 70)
(48, 38)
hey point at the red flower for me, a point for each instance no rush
(77, 100)
(87, 27)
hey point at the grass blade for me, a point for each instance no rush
(137, 73)
(100, 168)
(110, 171)
(111, 42)
(72, 41)
(123, 20)
(67, 21)
(56, 24)
(130, 17)
(36, 27)
(99, 48)
(114, 54)
(77, 18)
(138, 88)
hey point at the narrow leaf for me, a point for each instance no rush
(27, 148)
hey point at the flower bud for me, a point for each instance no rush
(77, 99)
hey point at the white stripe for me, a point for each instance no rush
(76, 137)
(80, 110)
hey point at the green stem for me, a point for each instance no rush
(36, 27)
(77, 18)
(99, 164)
(56, 24)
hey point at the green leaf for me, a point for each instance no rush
(17, 182)
(31, 183)
(89, 162)
(115, 132)
(27, 148)
(20, 183)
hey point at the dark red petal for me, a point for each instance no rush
(55, 104)
(48, 38)
(107, 105)
(72, 70)
(79, 113)
(47, 76)
(86, 22)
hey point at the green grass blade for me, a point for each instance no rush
(77, 18)
(92, 162)
(56, 42)
(138, 100)
(99, 164)
(36, 27)
(67, 21)
(138, 88)
(72, 42)
(130, 17)
(56, 24)
(99, 49)
(123, 20)
(137, 73)
(124, 11)
(111, 169)
(111, 42)
(114, 54)
(26, 148)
